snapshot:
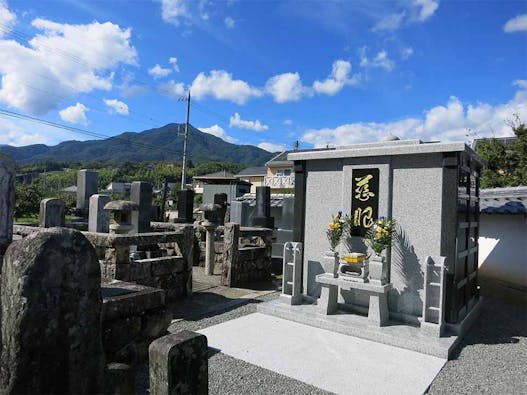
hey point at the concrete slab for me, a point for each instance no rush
(394, 333)
(328, 360)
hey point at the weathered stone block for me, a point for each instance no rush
(121, 378)
(120, 332)
(51, 312)
(98, 218)
(52, 213)
(179, 364)
(155, 323)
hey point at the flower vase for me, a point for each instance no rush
(331, 263)
(378, 270)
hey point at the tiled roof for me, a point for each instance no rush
(253, 171)
(277, 199)
(511, 200)
(216, 176)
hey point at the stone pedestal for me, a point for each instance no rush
(378, 270)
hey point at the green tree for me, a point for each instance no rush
(27, 200)
(506, 165)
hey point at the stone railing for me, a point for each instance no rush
(168, 265)
(280, 182)
(245, 262)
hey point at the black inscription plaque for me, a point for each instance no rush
(364, 200)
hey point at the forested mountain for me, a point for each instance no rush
(150, 145)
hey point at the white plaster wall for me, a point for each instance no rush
(503, 248)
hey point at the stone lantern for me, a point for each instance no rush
(122, 215)
(210, 211)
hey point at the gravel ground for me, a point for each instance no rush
(492, 359)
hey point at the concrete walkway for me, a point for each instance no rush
(327, 360)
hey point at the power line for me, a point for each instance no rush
(80, 131)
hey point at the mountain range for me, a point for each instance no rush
(164, 143)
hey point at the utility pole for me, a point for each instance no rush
(184, 169)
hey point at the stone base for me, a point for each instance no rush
(393, 333)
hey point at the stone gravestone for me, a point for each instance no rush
(7, 201)
(263, 208)
(141, 194)
(87, 184)
(52, 213)
(185, 206)
(51, 315)
(98, 218)
(221, 200)
(240, 212)
(179, 364)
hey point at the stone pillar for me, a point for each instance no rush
(98, 218)
(51, 321)
(7, 201)
(221, 200)
(179, 364)
(87, 185)
(231, 238)
(141, 194)
(185, 206)
(263, 208)
(210, 252)
(240, 212)
(52, 213)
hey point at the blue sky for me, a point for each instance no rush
(265, 73)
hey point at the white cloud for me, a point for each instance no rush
(237, 122)
(218, 131)
(159, 72)
(75, 114)
(271, 147)
(338, 78)
(12, 134)
(407, 52)
(36, 78)
(380, 60)
(285, 87)
(173, 62)
(173, 11)
(516, 24)
(117, 106)
(220, 85)
(229, 22)
(172, 89)
(390, 22)
(7, 19)
(427, 8)
(453, 121)
(287, 122)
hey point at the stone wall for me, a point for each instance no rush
(246, 264)
(168, 266)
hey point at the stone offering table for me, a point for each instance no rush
(378, 296)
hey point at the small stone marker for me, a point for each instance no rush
(185, 206)
(98, 218)
(51, 315)
(240, 212)
(263, 208)
(52, 213)
(179, 364)
(7, 201)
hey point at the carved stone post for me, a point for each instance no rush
(231, 237)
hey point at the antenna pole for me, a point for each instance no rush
(184, 168)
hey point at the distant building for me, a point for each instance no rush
(220, 182)
(254, 175)
(122, 188)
